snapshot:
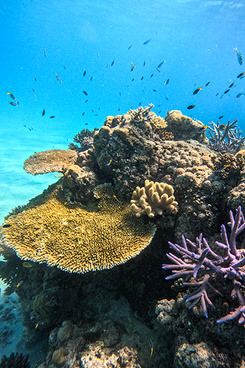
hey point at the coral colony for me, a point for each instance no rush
(198, 261)
(225, 138)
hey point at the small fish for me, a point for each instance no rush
(37, 324)
(144, 63)
(221, 116)
(113, 62)
(115, 197)
(146, 42)
(142, 77)
(118, 109)
(228, 165)
(197, 90)
(159, 65)
(85, 92)
(6, 226)
(151, 348)
(52, 117)
(35, 78)
(166, 98)
(207, 83)
(86, 123)
(33, 90)
(232, 84)
(167, 82)
(45, 53)
(83, 113)
(202, 129)
(151, 75)
(84, 73)
(191, 107)
(226, 91)
(58, 78)
(91, 78)
(132, 66)
(239, 56)
(217, 94)
(239, 95)
(19, 283)
(12, 103)
(43, 113)
(154, 90)
(27, 264)
(120, 94)
(222, 127)
(132, 79)
(86, 101)
(64, 67)
(139, 103)
(130, 47)
(159, 71)
(109, 162)
(241, 75)
(11, 95)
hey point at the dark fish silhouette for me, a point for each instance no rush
(239, 95)
(85, 92)
(167, 82)
(191, 107)
(84, 73)
(159, 65)
(11, 95)
(12, 103)
(159, 71)
(207, 83)
(113, 62)
(197, 90)
(232, 84)
(220, 117)
(52, 117)
(43, 113)
(146, 42)
(241, 75)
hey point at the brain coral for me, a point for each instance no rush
(153, 199)
(74, 238)
(50, 161)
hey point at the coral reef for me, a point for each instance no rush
(15, 360)
(225, 138)
(73, 238)
(84, 223)
(153, 199)
(184, 128)
(199, 263)
(55, 160)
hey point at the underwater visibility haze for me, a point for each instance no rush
(156, 90)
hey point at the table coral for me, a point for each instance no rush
(55, 160)
(74, 238)
(153, 199)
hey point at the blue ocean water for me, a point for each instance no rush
(39, 39)
(44, 43)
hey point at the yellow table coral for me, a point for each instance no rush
(74, 238)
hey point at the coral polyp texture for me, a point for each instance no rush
(50, 161)
(74, 238)
(204, 266)
(153, 199)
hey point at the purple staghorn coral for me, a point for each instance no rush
(197, 261)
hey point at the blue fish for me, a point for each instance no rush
(146, 42)
(239, 56)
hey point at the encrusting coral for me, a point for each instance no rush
(74, 238)
(153, 199)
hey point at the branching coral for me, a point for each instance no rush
(225, 138)
(197, 261)
(153, 199)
